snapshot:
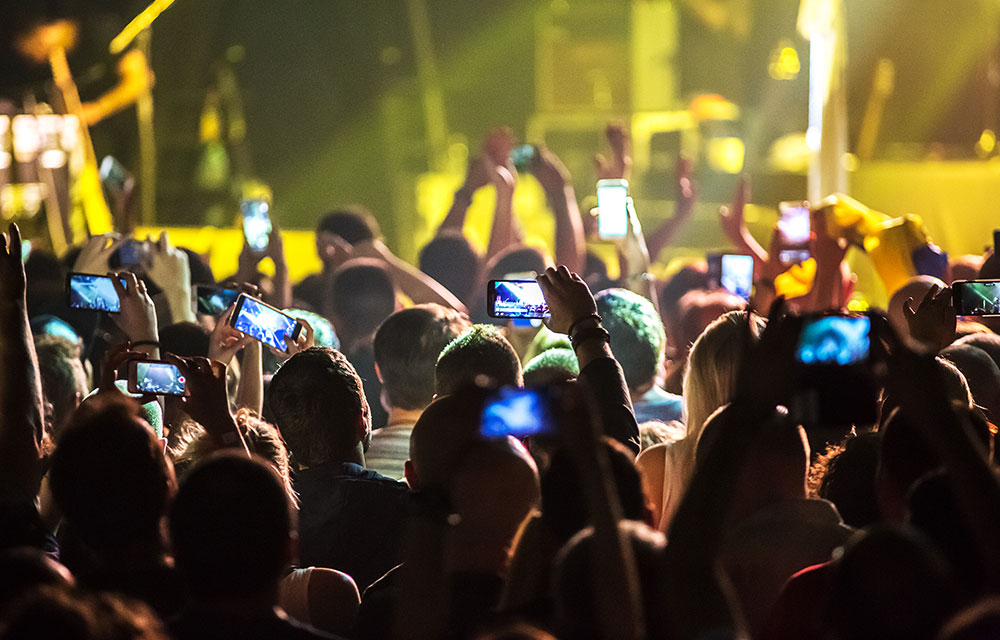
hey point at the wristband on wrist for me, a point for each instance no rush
(146, 343)
(592, 316)
(590, 333)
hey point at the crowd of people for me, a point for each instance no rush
(685, 476)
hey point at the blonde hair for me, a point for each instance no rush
(714, 364)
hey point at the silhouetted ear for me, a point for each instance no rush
(410, 473)
(378, 373)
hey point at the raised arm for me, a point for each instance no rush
(665, 234)
(735, 227)
(414, 283)
(168, 268)
(555, 180)
(20, 386)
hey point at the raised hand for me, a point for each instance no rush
(96, 253)
(933, 322)
(732, 217)
(169, 269)
(207, 400)
(12, 280)
(137, 318)
(568, 297)
(225, 341)
(550, 171)
(620, 163)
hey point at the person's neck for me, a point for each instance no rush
(399, 416)
(636, 394)
(141, 553)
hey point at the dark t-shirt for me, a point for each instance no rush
(202, 626)
(350, 519)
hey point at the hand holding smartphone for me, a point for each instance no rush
(92, 293)
(976, 297)
(612, 209)
(256, 223)
(264, 323)
(795, 228)
(156, 377)
(731, 271)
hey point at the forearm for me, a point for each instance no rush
(664, 235)
(179, 301)
(570, 242)
(420, 287)
(455, 218)
(250, 390)
(505, 232)
(21, 425)
(282, 296)
(603, 378)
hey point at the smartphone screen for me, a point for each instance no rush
(256, 223)
(516, 299)
(976, 297)
(794, 223)
(265, 323)
(523, 157)
(132, 253)
(612, 209)
(153, 376)
(518, 413)
(731, 271)
(211, 301)
(837, 340)
(93, 293)
(113, 175)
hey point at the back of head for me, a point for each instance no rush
(480, 352)
(319, 405)
(446, 429)
(64, 382)
(714, 364)
(230, 527)
(551, 366)
(980, 371)
(451, 260)
(186, 339)
(575, 574)
(25, 569)
(848, 479)
(637, 335)
(109, 475)
(407, 346)
(68, 614)
(362, 295)
(980, 621)
(564, 510)
(890, 583)
(697, 310)
(914, 288)
(688, 278)
(955, 384)
(934, 510)
(517, 259)
(353, 224)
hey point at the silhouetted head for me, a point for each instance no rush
(914, 288)
(339, 230)
(70, 614)
(407, 346)
(980, 371)
(64, 381)
(451, 260)
(637, 336)
(186, 339)
(849, 479)
(551, 366)
(318, 403)
(446, 429)
(362, 295)
(480, 354)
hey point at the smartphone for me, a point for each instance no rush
(256, 223)
(795, 229)
(612, 209)
(523, 157)
(211, 301)
(515, 299)
(133, 252)
(114, 176)
(731, 271)
(92, 293)
(517, 412)
(155, 376)
(834, 340)
(976, 297)
(265, 323)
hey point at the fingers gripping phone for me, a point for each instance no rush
(515, 299)
(92, 293)
(795, 228)
(264, 323)
(256, 223)
(523, 157)
(156, 376)
(612, 209)
(976, 297)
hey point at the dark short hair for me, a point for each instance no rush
(451, 260)
(443, 434)
(407, 346)
(517, 259)
(109, 475)
(186, 339)
(550, 366)
(362, 295)
(354, 224)
(230, 526)
(637, 335)
(317, 399)
(479, 351)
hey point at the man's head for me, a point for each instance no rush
(109, 475)
(446, 429)
(64, 382)
(362, 295)
(551, 366)
(339, 230)
(231, 528)
(319, 405)
(480, 352)
(980, 371)
(697, 310)
(637, 336)
(451, 260)
(916, 287)
(407, 346)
